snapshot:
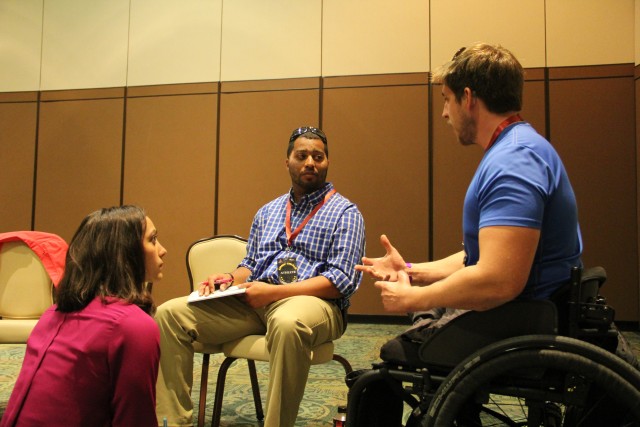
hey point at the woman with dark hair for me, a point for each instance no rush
(92, 359)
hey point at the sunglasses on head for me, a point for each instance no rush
(301, 131)
(462, 49)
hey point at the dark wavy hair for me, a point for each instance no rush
(106, 258)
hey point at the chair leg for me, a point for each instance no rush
(255, 387)
(344, 362)
(217, 403)
(203, 389)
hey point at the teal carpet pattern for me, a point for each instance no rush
(325, 390)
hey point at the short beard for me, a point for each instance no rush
(310, 187)
(467, 135)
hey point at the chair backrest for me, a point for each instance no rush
(473, 330)
(26, 290)
(216, 254)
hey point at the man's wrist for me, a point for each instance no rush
(233, 279)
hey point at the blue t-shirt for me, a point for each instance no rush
(522, 182)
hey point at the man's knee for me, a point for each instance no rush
(293, 322)
(306, 320)
(168, 313)
(286, 324)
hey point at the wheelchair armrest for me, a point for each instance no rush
(583, 312)
(591, 280)
(473, 330)
(598, 274)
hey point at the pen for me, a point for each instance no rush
(217, 282)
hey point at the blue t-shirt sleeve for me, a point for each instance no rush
(515, 190)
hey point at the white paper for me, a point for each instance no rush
(231, 290)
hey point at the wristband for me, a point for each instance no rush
(233, 279)
(410, 278)
(408, 265)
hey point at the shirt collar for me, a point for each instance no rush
(312, 198)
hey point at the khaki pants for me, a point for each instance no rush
(293, 326)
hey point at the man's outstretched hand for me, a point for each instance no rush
(385, 268)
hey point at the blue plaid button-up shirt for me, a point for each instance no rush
(331, 243)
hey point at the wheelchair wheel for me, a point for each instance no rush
(538, 381)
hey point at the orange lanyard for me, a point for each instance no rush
(501, 127)
(287, 223)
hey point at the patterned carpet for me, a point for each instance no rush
(325, 389)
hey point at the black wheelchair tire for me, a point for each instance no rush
(603, 370)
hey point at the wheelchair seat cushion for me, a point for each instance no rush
(403, 351)
(443, 346)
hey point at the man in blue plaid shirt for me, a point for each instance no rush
(299, 273)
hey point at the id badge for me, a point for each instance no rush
(287, 270)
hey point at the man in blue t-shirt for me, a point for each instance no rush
(520, 220)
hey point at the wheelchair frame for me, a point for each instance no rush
(552, 379)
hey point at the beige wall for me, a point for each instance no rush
(170, 168)
(184, 108)
(17, 160)
(174, 42)
(598, 148)
(76, 44)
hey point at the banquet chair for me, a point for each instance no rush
(26, 291)
(223, 253)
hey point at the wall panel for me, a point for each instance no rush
(279, 39)
(255, 124)
(350, 47)
(636, 28)
(637, 122)
(20, 49)
(534, 106)
(170, 170)
(174, 42)
(380, 158)
(79, 159)
(457, 23)
(18, 117)
(597, 145)
(84, 44)
(589, 32)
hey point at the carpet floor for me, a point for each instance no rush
(325, 390)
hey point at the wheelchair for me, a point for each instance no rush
(525, 363)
